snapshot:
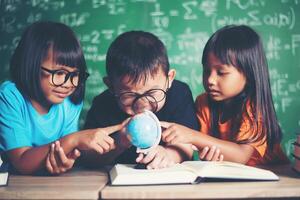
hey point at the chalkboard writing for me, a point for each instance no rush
(184, 27)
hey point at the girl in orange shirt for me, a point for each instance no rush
(236, 113)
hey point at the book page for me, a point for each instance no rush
(3, 178)
(3, 173)
(127, 175)
(229, 170)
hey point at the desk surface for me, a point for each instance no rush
(288, 186)
(91, 184)
(76, 184)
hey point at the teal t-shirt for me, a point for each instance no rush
(22, 126)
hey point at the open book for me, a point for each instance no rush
(187, 172)
(3, 173)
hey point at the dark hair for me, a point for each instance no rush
(241, 47)
(36, 41)
(136, 54)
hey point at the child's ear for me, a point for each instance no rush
(171, 76)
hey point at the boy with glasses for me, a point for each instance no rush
(139, 78)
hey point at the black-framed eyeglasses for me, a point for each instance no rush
(153, 96)
(61, 76)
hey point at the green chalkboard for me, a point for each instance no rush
(184, 27)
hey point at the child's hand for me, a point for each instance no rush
(156, 158)
(122, 138)
(175, 133)
(211, 154)
(57, 161)
(98, 139)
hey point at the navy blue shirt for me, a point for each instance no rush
(179, 108)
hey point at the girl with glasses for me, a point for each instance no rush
(40, 106)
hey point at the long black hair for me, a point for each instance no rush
(241, 47)
(36, 42)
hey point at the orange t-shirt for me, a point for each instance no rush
(260, 156)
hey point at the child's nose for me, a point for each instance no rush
(141, 105)
(212, 79)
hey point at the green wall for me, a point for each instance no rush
(184, 26)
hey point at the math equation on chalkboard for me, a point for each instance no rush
(183, 26)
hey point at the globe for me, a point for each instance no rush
(144, 130)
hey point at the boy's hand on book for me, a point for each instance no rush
(211, 154)
(57, 161)
(157, 158)
(175, 133)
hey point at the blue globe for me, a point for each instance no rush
(144, 130)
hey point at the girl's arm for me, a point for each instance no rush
(231, 151)
(240, 153)
(28, 160)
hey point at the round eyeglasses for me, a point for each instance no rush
(153, 96)
(61, 76)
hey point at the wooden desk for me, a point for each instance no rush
(76, 184)
(287, 187)
(90, 184)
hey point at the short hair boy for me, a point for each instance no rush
(139, 77)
